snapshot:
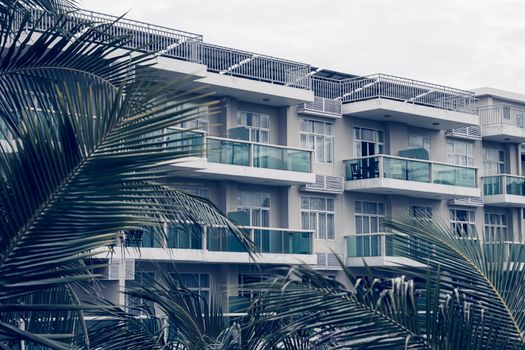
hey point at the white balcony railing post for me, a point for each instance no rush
(204, 238)
(381, 166)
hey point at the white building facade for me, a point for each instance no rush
(312, 162)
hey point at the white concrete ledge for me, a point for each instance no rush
(411, 188)
(408, 113)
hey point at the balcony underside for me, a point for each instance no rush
(381, 261)
(503, 133)
(201, 168)
(205, 256)
(408, 113)
(244, 89)
(414, 189)
(505, 200)
(250, 90)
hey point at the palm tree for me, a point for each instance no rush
(470, 295)
(175, 317)
(80, 160)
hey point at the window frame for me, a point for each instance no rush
(317, 213)
(309, 139)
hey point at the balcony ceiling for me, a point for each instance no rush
(386, 110)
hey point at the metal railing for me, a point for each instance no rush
(407, 91)
(408, 169)
(186, 46)
(258, 155)
(324, 106)
(504, 184)
(472, 132)
(228, 61)
(502, 114)
(142, 36)
(326, 87)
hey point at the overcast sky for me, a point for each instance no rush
(459, 43)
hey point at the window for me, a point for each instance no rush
(198, 283)
(319, 137)
(369, 217)
(245, 284)
(493, 162)
(460, 152)
(317, 213)
(200, 123)
(257, 124)
(256, 205)
(194, 191)
(136, 305)
(463, 222)
(496, 227)
(367, 142)
(418, 141)
(421, 212)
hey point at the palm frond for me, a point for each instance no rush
(79, 164)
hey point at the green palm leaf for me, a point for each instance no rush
(79, 164)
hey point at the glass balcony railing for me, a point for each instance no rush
(504, 184)
(505, 251)
(407, 169)
(374, 245)
(267, 240)
(258, 155)
(188, 236)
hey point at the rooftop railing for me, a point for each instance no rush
(504, 184)
(408, 169)
(142, 36)
(228, 61)
(258, 155)
(190, 47)
(502, 115)
(407, 91)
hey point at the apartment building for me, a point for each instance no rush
(312, 161)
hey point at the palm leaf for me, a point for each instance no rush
(80, 166)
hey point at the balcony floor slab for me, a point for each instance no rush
(505, 200)
(408, 113)
(415, 189)
(205, 256)
(503, 133)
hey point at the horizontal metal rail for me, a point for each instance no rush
(228, 61)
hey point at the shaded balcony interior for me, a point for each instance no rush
(385, 174)
(504, 190)
(503, 123)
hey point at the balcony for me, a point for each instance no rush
(502, 123)
(389, 98)
(377, 249)
(322, 107)
(384, 174)
(195, 243)
(504, 190)
(326, 102)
